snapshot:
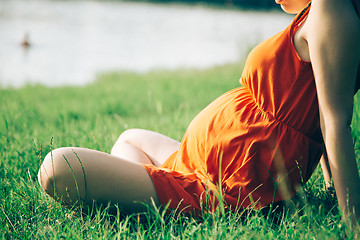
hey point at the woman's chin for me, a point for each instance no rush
(288, 10)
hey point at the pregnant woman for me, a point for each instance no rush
(256, 144)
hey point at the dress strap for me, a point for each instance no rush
(303, 12)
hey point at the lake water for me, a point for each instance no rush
(72, 41)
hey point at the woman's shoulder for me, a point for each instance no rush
(326, 17)
(333, 36)
(335, 11)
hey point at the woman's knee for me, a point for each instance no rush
(56, 170)
(129, 136)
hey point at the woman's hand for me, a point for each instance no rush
(333, 35)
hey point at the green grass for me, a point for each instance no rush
(34, 119)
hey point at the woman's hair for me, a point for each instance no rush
(356, 4)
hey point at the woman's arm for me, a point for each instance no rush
(333, 35)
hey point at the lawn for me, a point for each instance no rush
(36, 119)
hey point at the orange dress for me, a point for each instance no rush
(256, 143)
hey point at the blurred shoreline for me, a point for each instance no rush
(243, 4)
(71, 41)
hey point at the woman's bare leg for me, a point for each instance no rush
(89, 175)
(116, 178)
(144, 146)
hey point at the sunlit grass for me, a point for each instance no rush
(93, 116)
